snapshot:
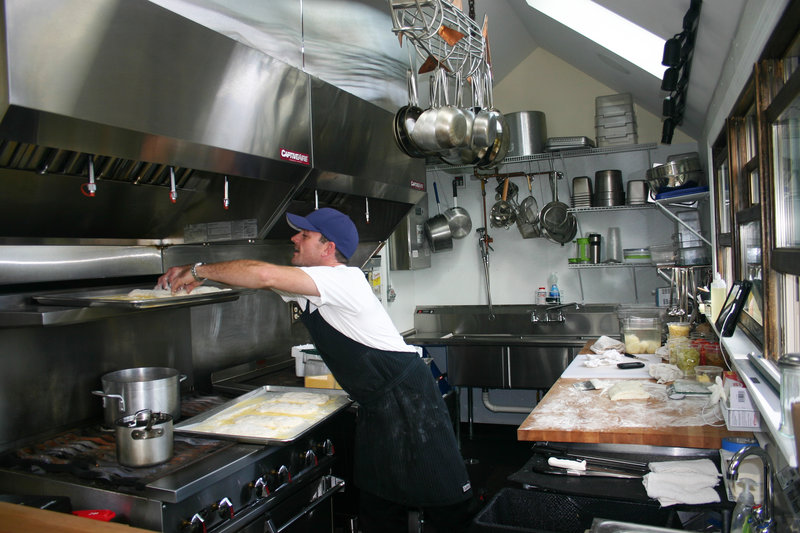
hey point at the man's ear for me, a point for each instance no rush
(329, 248)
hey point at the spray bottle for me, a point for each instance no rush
(718, 293)
(743, 509)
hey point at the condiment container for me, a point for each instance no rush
(687, 357)
(594, 248)
(679, 329)
(789, 365)
(707, 374)
(636, 255)
(641, 335)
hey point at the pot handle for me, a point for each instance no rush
(117, 396)
(182, 378)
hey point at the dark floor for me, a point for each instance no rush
(492, 454)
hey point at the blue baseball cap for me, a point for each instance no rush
(332, 224)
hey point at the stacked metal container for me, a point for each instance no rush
(615, 120)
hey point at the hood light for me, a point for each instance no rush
(173, 192)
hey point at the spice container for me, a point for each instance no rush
(712, 355)
(674, 345)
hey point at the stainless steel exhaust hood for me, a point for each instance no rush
(144, 93)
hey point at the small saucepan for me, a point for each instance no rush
(457, 217)
(437, 229)
(144, 438)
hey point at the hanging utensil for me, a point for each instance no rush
(528, 215)
(553, 218)
(437, 230)
(457, 217)
(503, 214)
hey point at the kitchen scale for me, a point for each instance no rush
(680, 388)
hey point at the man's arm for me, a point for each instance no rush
(241, 273)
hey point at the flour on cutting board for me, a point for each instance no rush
(568, 408)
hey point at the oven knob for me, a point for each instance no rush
(310, 459)
(261, 488)
(195, 525)
(280, 477)
(326, 447)
(225, 508)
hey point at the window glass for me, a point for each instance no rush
(755, 193)
(786, 169)
(751, 134)
(723, 197)
(788, 309)
(750, 243)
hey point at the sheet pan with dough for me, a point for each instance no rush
(267, 415)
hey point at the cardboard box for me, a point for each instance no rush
(324, 381)
(738, 397)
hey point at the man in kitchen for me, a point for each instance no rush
(406, 455)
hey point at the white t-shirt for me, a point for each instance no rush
(347, 303)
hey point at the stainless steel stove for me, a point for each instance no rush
(209, 485)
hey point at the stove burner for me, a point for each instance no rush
(89, 454)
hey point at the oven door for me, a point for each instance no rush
(309, 510)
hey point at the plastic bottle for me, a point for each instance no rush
(555, 294)
(743, 509)
(541, 296)
(719, 291)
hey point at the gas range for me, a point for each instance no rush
(209, 485)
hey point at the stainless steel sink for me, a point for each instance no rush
(601, 525)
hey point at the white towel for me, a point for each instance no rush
(691, 482)
(607, 358)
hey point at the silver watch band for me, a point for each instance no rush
(194, 272)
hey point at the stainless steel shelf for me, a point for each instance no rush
(578, 210)
(590, 266)
(561, 154)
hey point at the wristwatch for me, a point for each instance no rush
(194, 272)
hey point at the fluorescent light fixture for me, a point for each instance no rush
(606, 28)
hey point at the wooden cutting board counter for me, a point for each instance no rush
(567, 414)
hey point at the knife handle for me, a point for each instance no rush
(629, 365)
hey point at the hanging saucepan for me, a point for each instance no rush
(457, 217)
(437, 230)
(499, 148)
(406, 118)
(465, 154)
(440, 128)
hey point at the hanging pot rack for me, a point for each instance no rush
(442, 34)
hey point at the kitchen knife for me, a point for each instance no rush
(635, 357)
(581, 468)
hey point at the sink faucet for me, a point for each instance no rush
(562, 306)
(762, 516)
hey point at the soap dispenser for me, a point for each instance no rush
(743, 509)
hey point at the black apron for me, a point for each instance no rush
(405, 447)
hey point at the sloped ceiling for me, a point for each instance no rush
(516, 30)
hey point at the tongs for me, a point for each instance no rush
(572, 467)
(594, 461)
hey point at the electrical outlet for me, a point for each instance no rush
(295, 311)
(459, 181)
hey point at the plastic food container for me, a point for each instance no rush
(707, 374)
(641, 335)
(636, 255)
(679, 329)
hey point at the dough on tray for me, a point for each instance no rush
(627, 390)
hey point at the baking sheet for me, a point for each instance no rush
(118, 297)
(253, 404)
